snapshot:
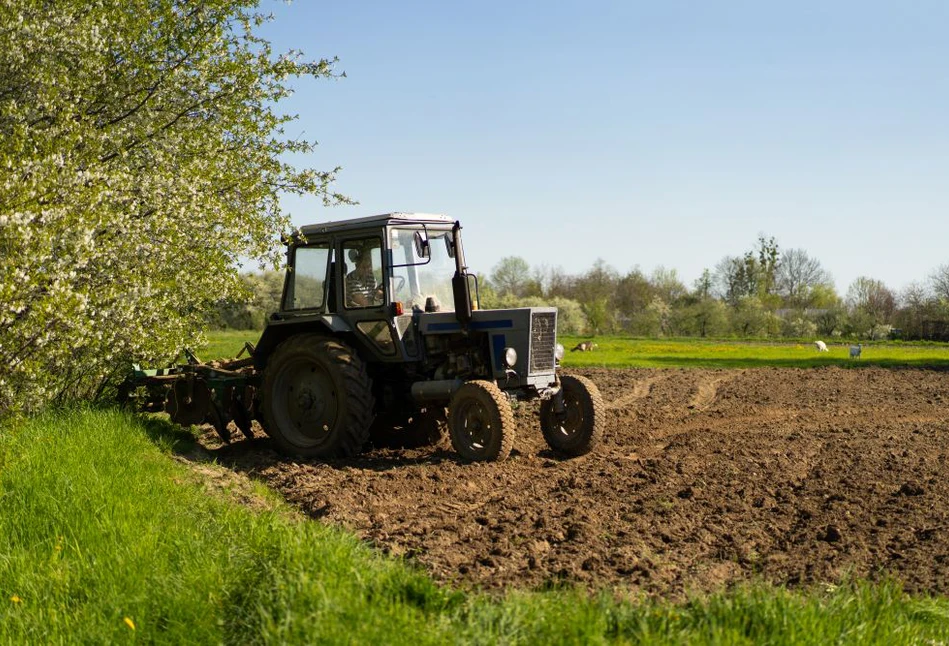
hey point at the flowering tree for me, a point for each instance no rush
(140, 157)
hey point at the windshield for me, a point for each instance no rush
(416, 279)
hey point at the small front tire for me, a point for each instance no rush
(480, 422)
(580, 428)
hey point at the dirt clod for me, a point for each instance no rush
(911, 489)
(832, 534)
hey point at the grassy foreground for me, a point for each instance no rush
(105, 538)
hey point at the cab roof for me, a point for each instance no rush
(375, 221)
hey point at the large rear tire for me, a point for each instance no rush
(580, 428)
(316, 398)
(480, 422)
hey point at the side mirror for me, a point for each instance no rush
(450, 246)
(422, 249)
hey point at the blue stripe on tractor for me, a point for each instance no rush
(498, 341)
(475, 325)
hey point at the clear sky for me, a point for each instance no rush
(643, 133)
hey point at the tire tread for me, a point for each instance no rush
(359, 399)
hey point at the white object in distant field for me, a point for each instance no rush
(821, 346)
(855, 351)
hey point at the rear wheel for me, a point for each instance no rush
(480, 422)
(316, 398)
(580, 427)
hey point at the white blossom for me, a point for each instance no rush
(119, 226)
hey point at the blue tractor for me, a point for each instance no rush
(379, 337)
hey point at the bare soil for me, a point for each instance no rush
(705, 478)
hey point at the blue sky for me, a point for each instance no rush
(643, 133)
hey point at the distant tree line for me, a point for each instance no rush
(767, 292)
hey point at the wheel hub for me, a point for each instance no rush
(571, 419)
(475, 425)
(311, 401)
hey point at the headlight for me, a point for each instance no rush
(558, 352)
(510, 357)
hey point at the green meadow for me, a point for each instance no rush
(624, 352)
(226, 344)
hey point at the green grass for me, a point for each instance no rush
(623, 352)
(99, 525)
(226, 344)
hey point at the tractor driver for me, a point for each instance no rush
(361, 287)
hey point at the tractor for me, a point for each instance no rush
(379, 336)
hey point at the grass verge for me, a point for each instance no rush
(106, 539)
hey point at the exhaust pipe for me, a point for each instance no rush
(459, 282)
(429, 392)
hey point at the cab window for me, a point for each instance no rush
(306, 288)
(362, 277)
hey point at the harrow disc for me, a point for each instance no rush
(188, 402)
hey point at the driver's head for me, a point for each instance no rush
(361, 257)
(364, 263)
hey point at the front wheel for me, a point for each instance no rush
(579, 428)
(316, 398)
(480, 422)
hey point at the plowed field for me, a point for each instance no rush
(704, 478)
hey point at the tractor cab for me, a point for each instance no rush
(370, 278)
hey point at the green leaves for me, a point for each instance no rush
(141, 156)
